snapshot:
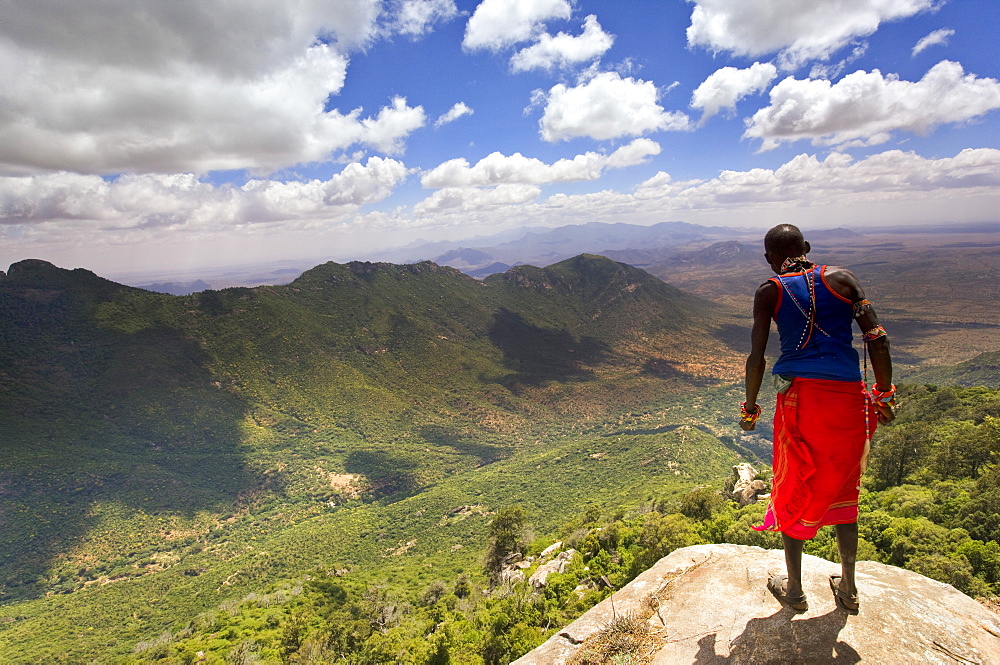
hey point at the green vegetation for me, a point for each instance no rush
(337, 470)
(167, 456)
(934, 504)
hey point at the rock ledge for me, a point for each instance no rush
(708, 604)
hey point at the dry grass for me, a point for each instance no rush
(630, 639)
(627, 640)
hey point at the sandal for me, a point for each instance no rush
(845, 601)
(777, 585)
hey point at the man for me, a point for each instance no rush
(824, 417)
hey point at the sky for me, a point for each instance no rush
(142, 135)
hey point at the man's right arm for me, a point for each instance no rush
(878, 346)
(764, 302)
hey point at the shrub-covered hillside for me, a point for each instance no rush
(165, 455)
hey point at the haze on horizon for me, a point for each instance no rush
(138, 134)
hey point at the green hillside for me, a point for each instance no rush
(982, 370)
(167, 455)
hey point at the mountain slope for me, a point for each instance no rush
(156, 446)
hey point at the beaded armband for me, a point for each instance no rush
(749, 416)
(887, 398)
(861, 306)
(874, 333)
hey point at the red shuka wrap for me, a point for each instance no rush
(820, 450)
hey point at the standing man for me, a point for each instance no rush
(824, 418)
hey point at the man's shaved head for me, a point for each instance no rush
(784, 241)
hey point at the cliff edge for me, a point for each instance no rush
(708, 604)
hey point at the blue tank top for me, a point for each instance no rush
(823, 350)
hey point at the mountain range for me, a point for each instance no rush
(164, 453)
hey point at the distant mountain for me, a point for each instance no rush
(193, 449)
(467, 257)
(486, 271)
(543, 246)
(177, 288)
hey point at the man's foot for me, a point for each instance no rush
(778, 585)
(845, 601)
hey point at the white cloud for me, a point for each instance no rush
(454, 113)
(821, 71)
(496, 168)
(147, 87)
(933, 39)
(183, 202)
(67, 217)
(807, 180)
(245, 38)
(499, 23)
(869, 106)
(564, 50)
(393, 124)
(726, 86)
(799, 31)
(451, 200)
(886, 188)
(606, 107)
(416, 17)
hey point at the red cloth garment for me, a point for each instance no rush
(819, 450)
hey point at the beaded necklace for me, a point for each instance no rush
(807, 267)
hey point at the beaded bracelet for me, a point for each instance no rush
(887, 397)
(874, 333)
(748, 417)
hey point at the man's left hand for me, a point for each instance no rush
(885, 413)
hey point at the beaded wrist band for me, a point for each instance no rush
(888, 397)
(874, 333)
(747, 416)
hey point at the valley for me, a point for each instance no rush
(169, 457)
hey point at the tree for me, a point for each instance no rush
(898, 452)
(700, 503)
(506, 538)
(967, 449)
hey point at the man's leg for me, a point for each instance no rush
(847, 543)
(793, 564)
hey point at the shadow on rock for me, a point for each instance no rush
(778, 640)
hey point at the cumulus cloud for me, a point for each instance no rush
(823, 71)
(393, 124)
(417, 17)
(606, 106)
(149, 87)
(726, 86)
(452, 200)
(499, 23)
(497, 168)
(806, 179)
(933, 39)
(868, 107)
(889, 187)
(798, 31)
(184, 202)
(454, 113)
(564, 50)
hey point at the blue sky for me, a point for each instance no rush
(137, 135)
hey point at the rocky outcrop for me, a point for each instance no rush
(709, 605)
(746, 489)
(557, 565)
(553, 559)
